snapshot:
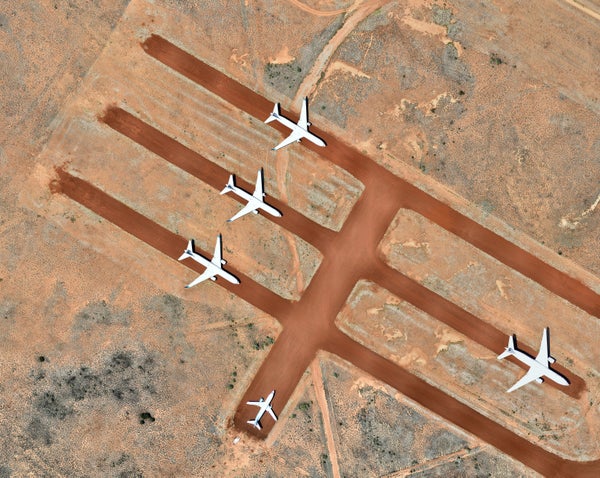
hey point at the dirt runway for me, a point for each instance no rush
(211, 173)
(370, 173)
(464, 322)
(363, 230)
(305, 332)
(544, 462)
(160, 238)
(349, 255)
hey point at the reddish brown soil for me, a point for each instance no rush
(371, 174)
(196, 165)
(158, 237)
(305, 332)
(361, 237)
(348, 256)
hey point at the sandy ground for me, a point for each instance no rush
(102, 358)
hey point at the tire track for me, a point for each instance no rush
(315, 369)
(356, 14)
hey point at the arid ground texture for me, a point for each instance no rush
(454, 204)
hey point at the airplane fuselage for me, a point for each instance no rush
(261, 413)
(541, 368)
(215, 270)
(294, 127)
(256, 203)
(265, 406)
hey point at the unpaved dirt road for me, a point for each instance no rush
(371, 174)
(349, 255)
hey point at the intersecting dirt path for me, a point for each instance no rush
(366, 231)
(304, 335)
(349, 255)
(369, 172)
(356, 14)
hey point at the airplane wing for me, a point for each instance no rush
(242, 212)
(295, 136)
(256, 404)
(217, 256)
(207, 274)
(272, 413)
(259, 191)
(542, 355)
(530, 376)
(303, 121)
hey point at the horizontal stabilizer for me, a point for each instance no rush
(254, 423)
(273, 116)
(509, 349)
(230, 185)
(188, 251)
(183, 256)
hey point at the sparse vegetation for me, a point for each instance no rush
(146, 417)
(262, 344)
(495, 59)
(233, 380)
(568, 360)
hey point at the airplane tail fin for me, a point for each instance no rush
(509, 349)
(188, 250)
(230, 185)
(254, 423)
(275, 113)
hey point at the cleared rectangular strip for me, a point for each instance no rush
(161, 239)
(373, 175)
(456, 412)
(209, 172)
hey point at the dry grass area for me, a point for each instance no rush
(108, 367)
(470, 372)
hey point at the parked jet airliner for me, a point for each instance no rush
(538, 367)
(265, 406)
(213, 267)
(299, 130)
(255, 201)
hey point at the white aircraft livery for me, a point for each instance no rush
(265, 406)
(299, 130)
(538, 367)
(213, 267)
(255, 201)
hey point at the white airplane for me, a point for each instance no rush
(265, 406)
(255, 201)
(538, 367)
(299, 130)
(213, 268)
